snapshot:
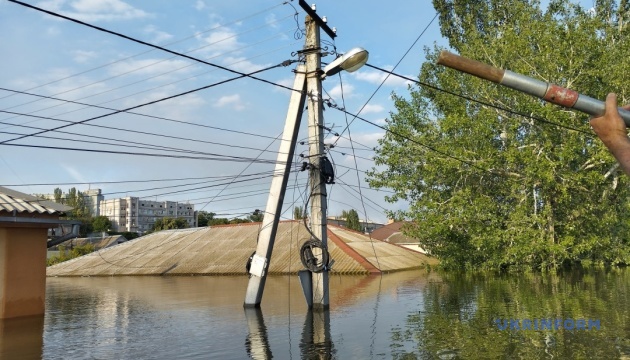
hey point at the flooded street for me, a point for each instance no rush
(409, 315)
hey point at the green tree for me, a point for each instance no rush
(168, 223)
(352, 219)
(101, 223)
(65, 255)
(257, 216)
(58, 194)
(299, 213)
(489, 187)
(204, 217)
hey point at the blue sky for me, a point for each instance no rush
(52, 57)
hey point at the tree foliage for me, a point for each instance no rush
(168, 223)
(101, 223)
(74, 252)
(257, 216)
(352, 219)
(204, 217)
(506, 180)
(299, 213)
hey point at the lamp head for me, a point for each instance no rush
(350, 61)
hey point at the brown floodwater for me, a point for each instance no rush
(408, 315)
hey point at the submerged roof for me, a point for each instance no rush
(11, 200)
(392, 233)
(97, 242)
(224, 250)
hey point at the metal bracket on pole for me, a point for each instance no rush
(260, 262)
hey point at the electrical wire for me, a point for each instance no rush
(125, 142)
(395, 66)
(194, 76)
(128, 112)
(151, 50)
(545, 121)
(250, 75)
(131, 181)
(150, 102)
(222, 158)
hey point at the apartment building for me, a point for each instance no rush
(137, 215)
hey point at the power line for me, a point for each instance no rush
(286, 63)
(139, 146)
(148, 44)
(146, 79)
(151, 50)
(395, 66)
(482, 102)
(137, 181)
(221, 158)
(113, 109)
(120, 129)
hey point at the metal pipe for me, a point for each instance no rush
(549, 92)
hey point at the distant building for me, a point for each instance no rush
(93, 200)
(392, 233)
(136, 215)
(367, 225)
(91, 197)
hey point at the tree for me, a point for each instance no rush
(299, 213)
(58, 195)
(489, 187)
(352, 220)
(101, 223)
(204, 217)
(168, 223)
(257, 216)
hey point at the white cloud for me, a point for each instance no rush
(371, 109)
(335, 92)
(242, 64)
(81, 56)
(220, 41)
(149, 67)
(271, 20)
(158, 35)
(233, 101)
(95, 10)
(367, 139)
(200, 5)
(377, 77)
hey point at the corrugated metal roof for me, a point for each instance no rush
(224, 250)
(97, 242)
(11, 200)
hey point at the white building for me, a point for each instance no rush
(367, 225)
(136, 215)
(93, 199)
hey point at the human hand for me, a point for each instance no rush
(610, 127)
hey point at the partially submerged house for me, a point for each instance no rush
(224, 250)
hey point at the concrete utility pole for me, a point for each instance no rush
(317, 186)
(267, 236)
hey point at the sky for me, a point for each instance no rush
(211, 136)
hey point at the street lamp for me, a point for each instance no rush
(350, 62)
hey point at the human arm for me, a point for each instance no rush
(611, 130)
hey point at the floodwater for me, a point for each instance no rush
(410, 315)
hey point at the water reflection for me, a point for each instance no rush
(257, 343)
(316, 339)
(400, 316)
